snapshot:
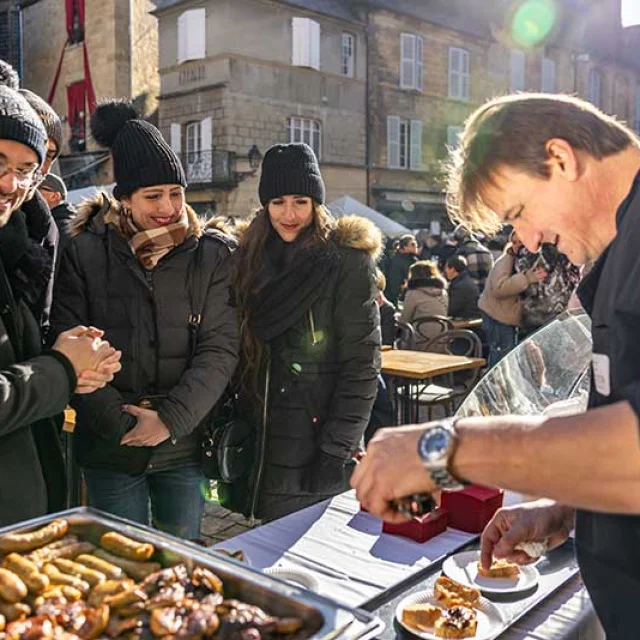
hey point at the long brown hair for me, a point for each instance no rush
(248, 264)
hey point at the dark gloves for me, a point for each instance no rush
(327, 475)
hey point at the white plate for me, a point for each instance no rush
(490, 619)
(294, 576)
(463, 568)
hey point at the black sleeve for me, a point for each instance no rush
(357, 322)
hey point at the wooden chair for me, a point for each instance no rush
(405, 337)
(422, 325)
(459, 342)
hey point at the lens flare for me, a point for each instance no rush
(533, 21)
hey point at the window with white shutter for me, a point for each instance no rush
(458, 73)
(453, 136)
(206, 135)
(306, 43)
(192, 35)
(595, 88)
(548, 84)
(194, 141)
(411, 62)
(393, 142)
(517, 75)
(415, 155)
(306, 130)
(176, 137)
(348, 55)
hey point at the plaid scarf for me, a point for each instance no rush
(150, 245)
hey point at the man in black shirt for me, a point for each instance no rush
(559, 171)
(463, 291)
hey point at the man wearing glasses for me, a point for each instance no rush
(34, 386)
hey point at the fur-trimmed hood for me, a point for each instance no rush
(91, 212)
(354, 232)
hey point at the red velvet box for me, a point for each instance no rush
(472, 508)
(422, 528)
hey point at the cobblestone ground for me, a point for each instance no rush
(220, 524)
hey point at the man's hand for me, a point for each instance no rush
(92, 380)
(539, 521)
(148, 432)
(391, 469)
(83, 347)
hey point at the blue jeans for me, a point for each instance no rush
(500, 337)
(176, 497)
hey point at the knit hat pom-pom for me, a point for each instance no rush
(109, 118)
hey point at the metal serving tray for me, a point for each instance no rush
(323, 619)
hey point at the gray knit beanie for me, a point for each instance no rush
(50, 119)
(19, 122)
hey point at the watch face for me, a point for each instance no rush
(435, 445)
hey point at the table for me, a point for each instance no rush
(413, 368)
(355, 564)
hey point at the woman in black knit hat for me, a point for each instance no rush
(305, 287)
(140, 265)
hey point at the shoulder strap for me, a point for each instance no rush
(197, 296)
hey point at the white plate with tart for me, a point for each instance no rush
(423, 615)
(503, 577)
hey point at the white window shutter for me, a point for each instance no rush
(206, 134)
(299, 33)
(415, 153)
(464, 70)
(407, 51)
(197, 34)
(393, 142)
(182, 37)
(314, 44)
(454, 72)
(176, 137)
(419, 65)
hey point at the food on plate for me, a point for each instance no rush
(126, 547)
(422, 616)
(452, 593)
(12, 589)
(28, 572)
(137, 570)
(457, 622)
(34, 539)
(533, 549)
(499, 569)
(110, 571)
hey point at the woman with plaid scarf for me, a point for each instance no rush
(135, 265)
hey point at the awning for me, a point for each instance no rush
(76, 196)
(348, 206)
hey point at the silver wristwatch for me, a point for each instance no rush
(436, 447)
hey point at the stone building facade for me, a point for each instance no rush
(264, 72)
(121, 41)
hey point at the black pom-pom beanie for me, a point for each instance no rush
(290, 169)
(141, 157)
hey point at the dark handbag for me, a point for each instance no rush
(227, 440)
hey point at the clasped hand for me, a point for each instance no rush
(149, 431)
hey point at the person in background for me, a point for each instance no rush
(426, 296)
(141, 266)
(399, 267)
(305, 287)
(54, 191)
(501, 303)
(35, 385)
(478, 258)
(463, 291)
(388, 322)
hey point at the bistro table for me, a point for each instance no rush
(413, 368)
(462, 323)
(343, 551)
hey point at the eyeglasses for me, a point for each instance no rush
(24, 177)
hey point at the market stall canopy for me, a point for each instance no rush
(76, 196)
(348, 206)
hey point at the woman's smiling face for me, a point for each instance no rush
(290, 215)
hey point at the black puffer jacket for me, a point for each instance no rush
(145, 315)
(322, 382)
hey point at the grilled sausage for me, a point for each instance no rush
(78, 570)
(42, 554)
(14, 611)
(137, 570)
(28, 572)
(57, 577)
(34, 539)
(12, 589)
(98, 564)
(126, 547)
